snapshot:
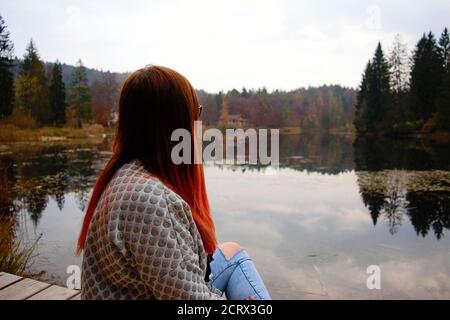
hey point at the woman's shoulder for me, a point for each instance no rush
(132, 176)
(136, 188)
(139, 204)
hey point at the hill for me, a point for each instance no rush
(67, 70)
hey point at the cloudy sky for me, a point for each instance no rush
(222, 44)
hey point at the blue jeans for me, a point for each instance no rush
(237, 277)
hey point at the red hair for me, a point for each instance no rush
(155, 101)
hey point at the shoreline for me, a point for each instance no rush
(436, 137)
(97, 133)
(12, 134)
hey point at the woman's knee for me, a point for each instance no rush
(229, 249)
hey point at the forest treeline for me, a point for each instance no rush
(402, 93)
(31, 90)
(315, 108)
(35, 94)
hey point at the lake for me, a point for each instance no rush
(313, 226)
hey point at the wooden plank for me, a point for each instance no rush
(54, 293)
(77, 297)
(7, 279)
(22, 290)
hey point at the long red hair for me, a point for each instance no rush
(155, 101)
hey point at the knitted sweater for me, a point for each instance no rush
(142, 243)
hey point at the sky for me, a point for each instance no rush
(224, 44)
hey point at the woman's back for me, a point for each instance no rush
(142, 243)
(141, 239)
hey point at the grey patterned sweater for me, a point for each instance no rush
(143, 243)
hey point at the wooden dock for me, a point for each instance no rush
(14, 287)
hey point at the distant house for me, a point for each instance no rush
(237, 120)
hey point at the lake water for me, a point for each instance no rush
(313, 226)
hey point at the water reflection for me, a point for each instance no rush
(405, 178)
(321, 213)
(6, 184)
(397, 179)
(330, 154)
(378, 154)
(33, 175)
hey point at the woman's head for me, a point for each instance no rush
(154, 102)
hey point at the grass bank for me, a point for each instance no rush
(12, 133)
(15, 256)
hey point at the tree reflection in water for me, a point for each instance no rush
(405, 178)
(29, 178)
(396, 179)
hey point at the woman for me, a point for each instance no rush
(148, 231)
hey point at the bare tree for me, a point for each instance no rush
(399, 63)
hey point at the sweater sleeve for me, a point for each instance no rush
(159, 239)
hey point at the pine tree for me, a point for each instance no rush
(6, 76)
(361, 101)
(379, 89)
(443, 98)
(444, 46)
(79, 97)
(57, 97)
(104, 94)
(443, 103)
(373, 99)
(32, 86)
(286, 115)
(224, 114)
(426, 76)
(399, 75)
(336, 111)
(245, 93)
(399, 65)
